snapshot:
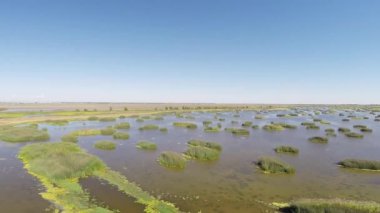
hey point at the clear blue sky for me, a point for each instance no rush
(269, 51)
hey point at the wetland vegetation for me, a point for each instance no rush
(61, 166)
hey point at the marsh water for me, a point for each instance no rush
(231, 184)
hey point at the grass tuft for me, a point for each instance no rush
(286, 149)
(149, 127)
(318, 139)
(172, 160)
(105, 145)
(272, 165)
(146, 145)
(360, 164)
(120, 136)
(23, 134)
(185, 125)
(124, 125)
(331, 205)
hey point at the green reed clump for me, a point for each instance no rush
(202, 153)
(107, 131)
(208, 144)
(312, 127)
(140, 120)
(185, 125)
(366, 130)
(344, 130)
(70, 138)
(26, 133)
(173, 160)
(107, 119)
(163, 129)
(259, 117)
(237, 131)
(247, 124)
(330, 130)
(146, 145)
(360, 164)
(57, 122)
(121, 136)
(255, 127)
(211, 129)
(273, 127)
(122, 116)
(286, 149)
(272, 165)
(92, 118)
(331, 205)
(105, 145)
(123, 125)
(206, 123)
(319, 139)
(308, 124)
(149, 127)
(331, 134)
(360, 126)
(353, 135)
(285, 125)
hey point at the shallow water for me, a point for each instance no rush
(231, 184)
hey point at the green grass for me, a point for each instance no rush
(206, 123)
(330, 130)
(285, 125)
(360, 126)
(237, 131)
(26, 133)
(208, 144)
(185, 125)
(70, 138)
(149, 127)
(366, 130)
(57, 161)
(272, 165)
(344, 130)
(259, 117)
(211, 129)
(255, 127)
(286, 149)
(360, 164)
(107, 131)
(308, 124)
(273, 127)
(163, 129)
(105, 145)
(56, 122)
(146, 145)
(202, 153)
(331, 206)
(59, 166)
(247, 124)
(319, 139)
(107, 119)
(121, 136)
(354, 135)
(123, 125)
(312, 127)
(172, 160)
(92, 118)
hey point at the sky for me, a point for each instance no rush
(209, 51)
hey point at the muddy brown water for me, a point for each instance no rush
(231, 184)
